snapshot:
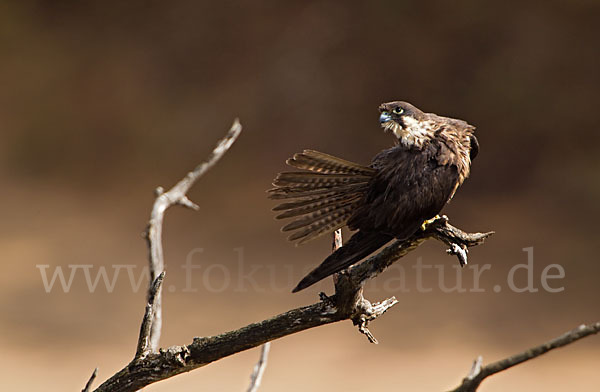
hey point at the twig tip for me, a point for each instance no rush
(186, 202)
(88, 385)
(475, 368)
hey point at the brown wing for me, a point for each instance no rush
(409, 187)
(323, 198)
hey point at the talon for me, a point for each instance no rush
(429, 222)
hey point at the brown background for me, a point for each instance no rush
(103, 101)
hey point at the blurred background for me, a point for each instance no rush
(101, 102)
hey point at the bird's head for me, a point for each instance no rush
(403, 119)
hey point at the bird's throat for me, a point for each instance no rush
(413, 134)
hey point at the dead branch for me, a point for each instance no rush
(346, 303)
(164, 200)
(477, 373)
(143, 346)
(259, 368)
(151, 364)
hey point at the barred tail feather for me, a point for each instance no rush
(324, 226)
(323, 197)
(303, 207)
(301, 191)
(317, 180)
(324, 163)
(304, 201)
(319, 217)
(359, 246)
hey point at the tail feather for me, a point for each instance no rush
(306, 208)
(299, 191)
(359, 246)
(322, 198)
(300, 202)
(323, 226)
(326, 213)
(317, 180)
(324, 163)
(311, 233)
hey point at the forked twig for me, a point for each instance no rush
(164, 200)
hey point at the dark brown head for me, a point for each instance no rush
(408, 123)
(397, 111)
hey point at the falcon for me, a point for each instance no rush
(402, 188)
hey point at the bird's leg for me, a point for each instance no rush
(460, 250)
(429, 221)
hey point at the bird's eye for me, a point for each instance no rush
(398, 110)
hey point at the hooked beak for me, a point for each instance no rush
(384, 117)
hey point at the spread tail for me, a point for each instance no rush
(359, 246)
(322, 198)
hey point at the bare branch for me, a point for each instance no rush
(475, 368)
(439, 228)
(88, 385)
(203, 351)
(349, 284)
(143, 346)
(346, 303)
(259, 368)
(478, 373)
(372, 311)
(366, 311)
(164, 200)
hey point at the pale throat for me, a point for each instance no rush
(415, 133)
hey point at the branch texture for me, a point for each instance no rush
(143, 346)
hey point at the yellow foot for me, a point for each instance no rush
(429, 221)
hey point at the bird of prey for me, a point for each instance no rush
(403, 187)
